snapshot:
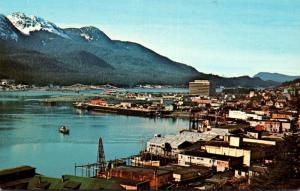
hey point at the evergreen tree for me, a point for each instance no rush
(284, 173)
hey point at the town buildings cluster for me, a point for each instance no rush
(8, 84)
(231, 138)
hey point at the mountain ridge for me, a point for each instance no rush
(278, 77)
(87, 55)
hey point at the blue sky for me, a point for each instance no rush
(225, 37)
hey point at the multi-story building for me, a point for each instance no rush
(199, 88)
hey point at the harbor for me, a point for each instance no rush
(149, 95)
(24, 113)
(226, 143)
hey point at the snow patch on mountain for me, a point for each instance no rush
(27, 24)
(6, 30)
(95, 33)
(86, 36)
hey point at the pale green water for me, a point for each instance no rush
(29, 133)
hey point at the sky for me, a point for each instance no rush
(224, 37)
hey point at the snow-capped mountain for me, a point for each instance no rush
(49, 54)
(27, 24)
(19, 24)
(7, 30)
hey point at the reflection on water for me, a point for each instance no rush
(29, 133)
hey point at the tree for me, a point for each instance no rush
(284, 173)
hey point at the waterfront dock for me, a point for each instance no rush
(123, 111)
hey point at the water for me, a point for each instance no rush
(29, 133)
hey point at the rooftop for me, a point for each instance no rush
(203, 170)
(187, 136)
(84, 183)
(15, 170)
(141, 170)
(209, 155)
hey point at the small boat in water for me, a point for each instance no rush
(64, 130)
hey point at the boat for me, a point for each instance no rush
(79, 105)
(64, 130)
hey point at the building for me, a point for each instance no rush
(6, 82)
(220, 89)
(239, 141)
(250, 149)
(220, 162)
(199, 88)
(186, 174)
(280, 116)
(251, 93)
(274, 126)
(236, 114)
(156, 177)
(230, 151)
(16, 178)
(171, 145)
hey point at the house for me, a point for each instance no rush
(269, 103)
(279, 105)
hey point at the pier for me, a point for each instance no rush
(123, 111)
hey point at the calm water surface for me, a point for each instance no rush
(29, 133)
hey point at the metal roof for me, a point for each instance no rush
(188, 136)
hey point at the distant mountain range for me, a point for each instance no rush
(293, 83)
(36, 51)
(276, 77)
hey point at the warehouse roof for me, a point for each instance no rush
(187, 136)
